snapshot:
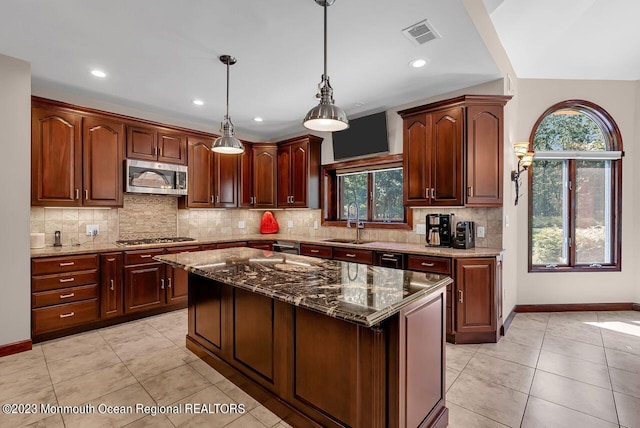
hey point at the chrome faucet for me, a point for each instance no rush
(359, 224)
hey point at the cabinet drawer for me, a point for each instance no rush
(66, 280)
(387, 259)
(429, 264)
(142, 256)
(176, 250)
(63, 264)
(316, 251)
(64, 295)
(356, 256)
(261, 245)
(208, 247)
(232, 244)
(64, 316)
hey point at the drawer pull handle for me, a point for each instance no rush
(112, 259)
(350, 255)
(70, 314)
(315, 251)
(389, 259)
(389, 255)
(427, 264)
(461, 296)
(67, 280)
(67, 264)
(111, 287)
(162, 284)
(169, 282)
(66, 296)
(145, 256)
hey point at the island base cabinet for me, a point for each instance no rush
(315, 370)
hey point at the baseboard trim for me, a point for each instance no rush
(507, 322)
(570, 307)
(14, 348)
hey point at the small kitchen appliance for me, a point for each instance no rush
(465, 237)
(439, 230)
(155, 178)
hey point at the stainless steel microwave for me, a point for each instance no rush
(155, 178)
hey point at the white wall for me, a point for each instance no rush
(620, 99)
(15, 141)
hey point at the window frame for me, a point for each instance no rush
(329, 191)
(613, 139)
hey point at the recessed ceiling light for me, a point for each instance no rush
(359, 104)
(198, 102)
(98, 73)
(417, 63)
(258, 119)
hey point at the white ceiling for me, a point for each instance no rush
(570, 39)
(161, 54)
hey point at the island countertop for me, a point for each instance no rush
(362, 294)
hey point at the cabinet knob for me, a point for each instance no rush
(461, 294)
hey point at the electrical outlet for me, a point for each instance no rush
(480, 232)
(240, 224)
(315, 224)
(290, 223)
(421, 229)
(92, 229)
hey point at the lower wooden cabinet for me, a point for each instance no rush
(177, 279)
(111, 295)
(144, 286)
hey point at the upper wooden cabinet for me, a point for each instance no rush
(245, 178)
(453, 152)
(76, 160)
(225, 180)
(299, 172)
(201, 191)
(56, 157)
(156, 144)
(265, 169)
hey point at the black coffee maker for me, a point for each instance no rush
(439, 230)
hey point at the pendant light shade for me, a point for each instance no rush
(326, 116)
(227, 143)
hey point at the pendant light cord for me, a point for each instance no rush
(325, 39)
(227, 116)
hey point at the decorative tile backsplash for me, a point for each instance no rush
(150, 216)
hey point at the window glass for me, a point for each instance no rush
(387, 195)
(593, 199)
(378, 194)
(353, 189)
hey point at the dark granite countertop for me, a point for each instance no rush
(362, 294)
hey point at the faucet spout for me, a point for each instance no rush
(359, 224)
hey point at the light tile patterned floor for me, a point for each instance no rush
(142, 362)
(579, 369)
(569, 369)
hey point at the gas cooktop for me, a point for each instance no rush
(147, 241)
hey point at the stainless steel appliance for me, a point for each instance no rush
(286, 247)
(465, 235)
(155, 178)
(439, 230)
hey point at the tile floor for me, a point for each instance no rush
(579, 369)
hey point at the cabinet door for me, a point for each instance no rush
(446, 157)
(474, 294)
(484, 156)
(178, 279)
(141, 143)
(111, 299)
(284, 176)
(245, 178)
(144, 287)
(265, 169)
(103, 154)
(56, 158)
(225, 180)
(200, 174)
(299, 169)
(417, 178)
(172, 148)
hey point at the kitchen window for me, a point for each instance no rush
(575, 190)
(369, 189)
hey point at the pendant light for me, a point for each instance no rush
(326, 116)
(227, 143)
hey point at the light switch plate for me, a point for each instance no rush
(421, 229)
(290, 223)
(240, 224)
(92, 229)
(315, 224)
(480, 232)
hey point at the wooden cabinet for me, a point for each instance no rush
(261, 245)
(245, 178)
(177, 279)
(111, 296)
(144, 287)
(225, 180)
(76, 159)
(353, 255)
(316, 251)
(103, 155)
(201, 191)
(299, 172)
(156, 144)
(56, 157)
(265, 169)
(453, 152)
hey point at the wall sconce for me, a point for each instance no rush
(525, 159)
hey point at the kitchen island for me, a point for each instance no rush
(321, 342)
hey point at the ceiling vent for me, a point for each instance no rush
(421, 33)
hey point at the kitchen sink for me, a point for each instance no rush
(345, 241)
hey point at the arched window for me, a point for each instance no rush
(575, 190)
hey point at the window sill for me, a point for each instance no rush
(370, 225)
(604, 268)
